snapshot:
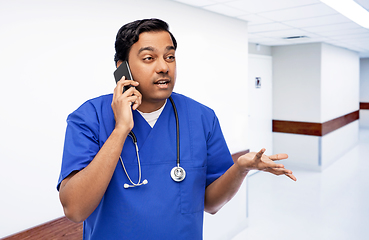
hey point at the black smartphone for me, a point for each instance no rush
(123, 70)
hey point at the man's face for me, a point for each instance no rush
(153, 65)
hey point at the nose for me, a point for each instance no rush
(162, 66)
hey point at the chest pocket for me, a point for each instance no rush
(192, 190)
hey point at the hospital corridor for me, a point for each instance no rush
(285, 76)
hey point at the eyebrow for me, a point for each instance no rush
(152, 49)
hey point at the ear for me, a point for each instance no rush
(119, 63)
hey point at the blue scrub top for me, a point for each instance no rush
(163, 208)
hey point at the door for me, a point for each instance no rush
(260, 103)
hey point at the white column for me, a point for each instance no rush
(314, 83)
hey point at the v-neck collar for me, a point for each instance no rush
(152, 117)
(143, 130)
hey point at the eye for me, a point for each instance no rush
(170, 58)
(148, 58)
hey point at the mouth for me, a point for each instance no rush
(162, 82)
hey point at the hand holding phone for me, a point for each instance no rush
(123, 70)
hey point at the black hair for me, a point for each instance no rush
(129, 34)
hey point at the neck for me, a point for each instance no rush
(148, 107)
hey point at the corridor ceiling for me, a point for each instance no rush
(285, 22)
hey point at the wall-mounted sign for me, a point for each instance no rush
(258, 82)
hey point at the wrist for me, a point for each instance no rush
(242, 170)
(122, 130)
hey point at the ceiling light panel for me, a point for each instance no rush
(310, 11)
(363, 3)
(350, 9)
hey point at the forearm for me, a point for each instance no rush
(222, 190)
(81, 193)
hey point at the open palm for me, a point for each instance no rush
(262, 162)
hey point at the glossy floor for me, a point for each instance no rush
(333, 204)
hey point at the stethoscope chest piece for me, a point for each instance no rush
(178, 174)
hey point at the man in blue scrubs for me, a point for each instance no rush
(101, 180)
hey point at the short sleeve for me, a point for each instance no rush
(219, 158)
(81, 140)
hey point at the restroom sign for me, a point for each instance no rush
(258, 82)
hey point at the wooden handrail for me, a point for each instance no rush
(58, 229)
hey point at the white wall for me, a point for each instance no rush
(340, 73)
(303, 151)
(364, 118)
(364, 91)
(337, 143)
(340, 83)
(57, 54)
(296, 82)
(364, 80)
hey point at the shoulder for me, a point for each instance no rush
(98, 101)
(196, 113)
(191, 104)
(92, 108)
(95, 103)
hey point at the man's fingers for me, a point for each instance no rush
(279, 156)
(278, 171)
(273, 168)
(266, 164)
(290, 175)
(281, 171)
(118, 90)
(260, 153)
(136, 99)
(131, 97)
(123, 83)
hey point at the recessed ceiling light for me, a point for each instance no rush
(351, 10)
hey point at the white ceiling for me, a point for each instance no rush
(270, 21)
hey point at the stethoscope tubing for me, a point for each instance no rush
(177, 128)
(177, 173)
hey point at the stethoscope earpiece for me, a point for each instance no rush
(126, 185)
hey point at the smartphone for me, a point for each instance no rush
(123, 70)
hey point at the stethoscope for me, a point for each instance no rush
(177, 173)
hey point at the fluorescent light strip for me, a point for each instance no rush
(351, 10)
